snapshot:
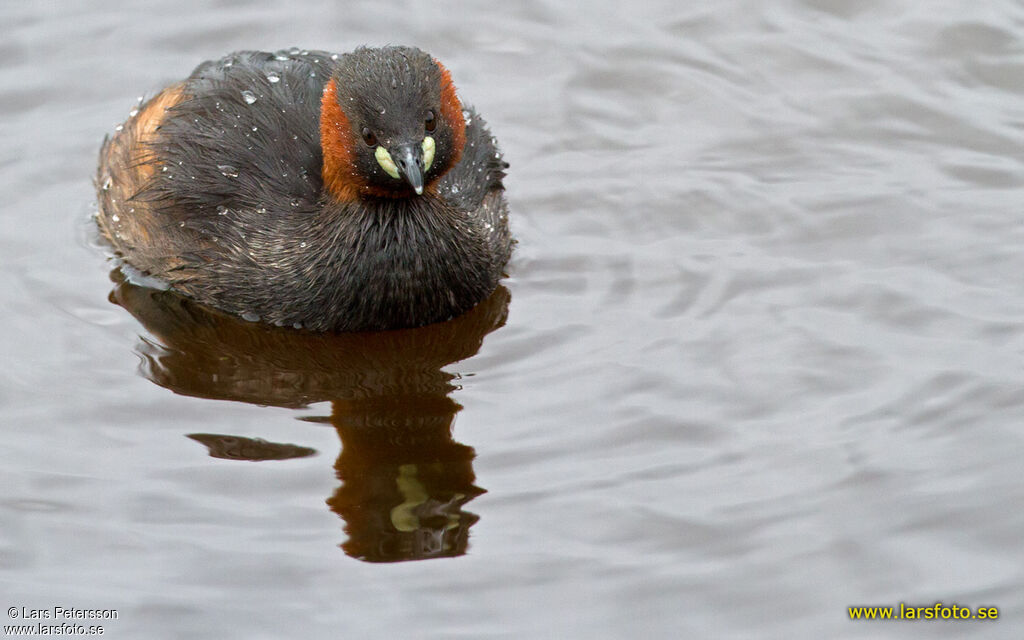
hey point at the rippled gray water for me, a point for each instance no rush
(761, 359)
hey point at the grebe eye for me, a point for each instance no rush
(369, 138)
(430, 123)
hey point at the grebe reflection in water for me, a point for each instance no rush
(404, 478)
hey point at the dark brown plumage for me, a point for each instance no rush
(257, 186)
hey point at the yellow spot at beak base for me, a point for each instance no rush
(428, 153)
(385, 161)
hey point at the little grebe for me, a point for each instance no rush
(308, 189)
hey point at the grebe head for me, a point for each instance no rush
(390, 124)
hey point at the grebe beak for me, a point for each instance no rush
(408, 160)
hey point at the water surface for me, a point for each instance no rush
(758, 357)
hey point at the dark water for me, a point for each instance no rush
(759, 357)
